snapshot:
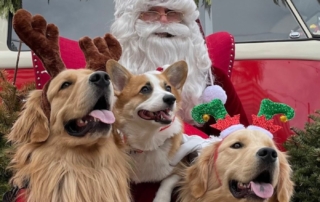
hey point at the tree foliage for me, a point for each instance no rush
(304, 151)
(9, 6)
(11, 101)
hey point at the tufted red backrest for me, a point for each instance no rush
(71, 55)
(221, 48)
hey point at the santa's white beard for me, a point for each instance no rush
(144, 51)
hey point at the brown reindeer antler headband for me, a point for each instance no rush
(43, 40)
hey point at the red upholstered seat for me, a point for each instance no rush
(71, 55)
(221, 48)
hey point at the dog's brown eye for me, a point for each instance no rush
(145, 89)
(236, 145)
(168, 88)
(65, 85)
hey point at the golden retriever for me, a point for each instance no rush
(245, 166)
(69, 154)
(74, 158)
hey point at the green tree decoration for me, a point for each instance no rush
(11, 101)
(206, 3)
(304, 151)
(9, 6)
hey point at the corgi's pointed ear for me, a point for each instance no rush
(119, 75)
(32, 124)
(177, 74)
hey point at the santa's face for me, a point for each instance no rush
(161, 22)
(161, 14)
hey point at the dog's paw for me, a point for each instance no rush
(166, 188)
(162, 197)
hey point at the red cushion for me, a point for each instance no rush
(71, 55)
(221, 50)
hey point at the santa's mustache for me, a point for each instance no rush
(145, 29)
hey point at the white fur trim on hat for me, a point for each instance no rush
(214, 92)
(253, 127)
(230, 130)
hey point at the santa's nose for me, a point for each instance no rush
(163, 19)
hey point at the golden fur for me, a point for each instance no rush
(200, 181)
(59, 167)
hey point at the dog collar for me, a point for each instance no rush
(135, 151)
(125, 141)
(168, 126)
(139, 151)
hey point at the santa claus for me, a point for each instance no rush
(158, 32)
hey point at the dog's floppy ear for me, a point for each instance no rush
(198, 174)
(32, 124)
(177, 74)
(284, 189)
(119, 75)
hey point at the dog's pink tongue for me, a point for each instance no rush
(104, 116)
(263, 190)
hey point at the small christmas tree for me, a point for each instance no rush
(11, 101)
(304, 151)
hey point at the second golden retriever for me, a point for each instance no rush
(245, 166)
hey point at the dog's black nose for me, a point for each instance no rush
(100, 79)
(268, 155)
(169, 99)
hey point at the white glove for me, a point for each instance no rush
(191, 143)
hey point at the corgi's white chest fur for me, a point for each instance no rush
(152, 166)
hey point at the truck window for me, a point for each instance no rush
(74, 18)
(255, 20)
(310, 12)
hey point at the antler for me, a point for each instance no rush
(41, 38)
(99, 50)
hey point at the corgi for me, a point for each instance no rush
(146, 116)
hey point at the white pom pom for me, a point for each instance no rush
(214, 92)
